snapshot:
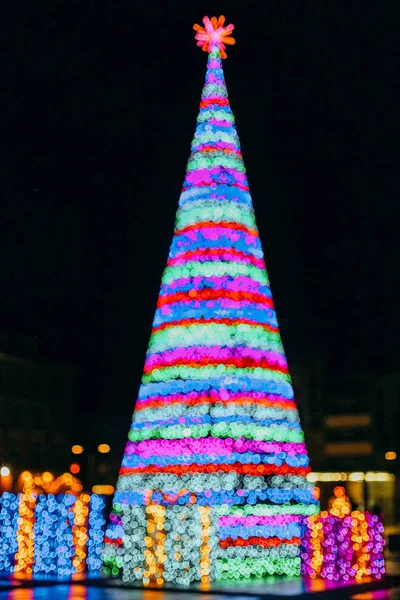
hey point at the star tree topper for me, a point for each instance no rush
(214, 34)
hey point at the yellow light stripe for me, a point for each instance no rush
(80, 532)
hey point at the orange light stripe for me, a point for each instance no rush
(215, 149)
(24, 557)
(80, 532)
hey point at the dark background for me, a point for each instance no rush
(99, 103)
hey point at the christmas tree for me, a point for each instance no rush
(213, 480)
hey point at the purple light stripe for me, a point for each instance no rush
(200, 256)
(242, 283)
(220, 123)
(212, 445)
(215, 352)
(205, 176)
(213, 232)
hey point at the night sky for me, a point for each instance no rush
(99, 102)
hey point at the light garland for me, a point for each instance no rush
(8, 531)
(215, 447)
(343, 545)
(95, 532)
(50, 534)
(80, 532)
(24, 556)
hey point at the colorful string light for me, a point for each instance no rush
(215, 444)
(80, 532)
(343, 545)
(8, 531)
(95, 532)
(42, 534)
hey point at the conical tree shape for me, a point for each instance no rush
(213, 479)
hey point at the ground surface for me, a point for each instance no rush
(273, 589)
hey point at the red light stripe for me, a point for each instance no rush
(288, 405)
(258, 541)
(210, 101)
(117, 542)
(240, 468)
(239, 362)
(208, 294)
(219, 252)
(231, 322)
(215, 149)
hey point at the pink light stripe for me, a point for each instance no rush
(236, 285)
(205, 176)
(215, 352)
(220, 447)
(220, 122)
(251, 260)
(215, 63)
(214, 232)
(252, 520)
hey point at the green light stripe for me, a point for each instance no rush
(209, 160)
(208, 334)
(182, 372)
(222, 430)
(214, 269)
(266, 510)
(247, 566)
(213, 212)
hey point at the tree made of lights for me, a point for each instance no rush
(213, 480)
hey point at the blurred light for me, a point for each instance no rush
(379, 476)
(103, 448)
(370, 476)
(5, 471)
(347, 421)
(346, 449)
(74, 468)
(68, 542)
(313, 477)
(77, 449)
(352, 558)
(47, 477)
(103, 490)
(356, 476)
(390, 455)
